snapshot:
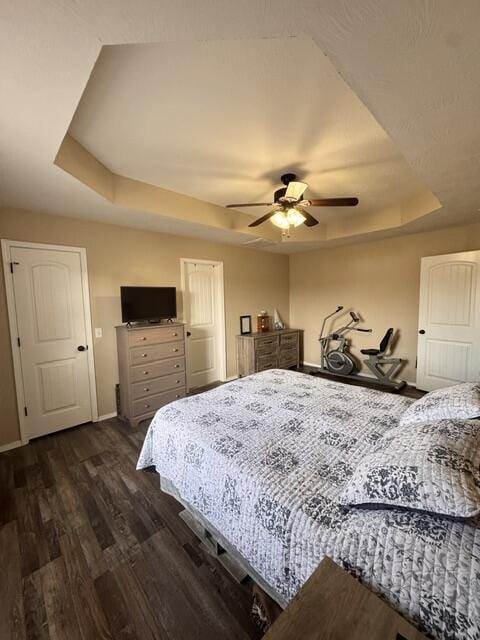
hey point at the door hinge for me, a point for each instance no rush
(25, 410)
(18, 342)
(11, 266)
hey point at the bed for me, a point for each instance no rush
(264, 460)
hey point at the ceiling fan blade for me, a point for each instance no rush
(333, 202)
(295, 190)
(248, 204)
(264, 218)
(310, 221)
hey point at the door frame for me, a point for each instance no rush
(6, 245)
(221, 338)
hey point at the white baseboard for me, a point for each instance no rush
(11, 445)
(230, 378)
(363, 373)
(106, 416)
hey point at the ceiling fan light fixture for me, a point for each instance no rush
(280, 220)
(295, 217)
(286, 219)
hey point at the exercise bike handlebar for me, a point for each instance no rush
(339, 308)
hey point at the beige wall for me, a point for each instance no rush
(380, 280)
(116, 255)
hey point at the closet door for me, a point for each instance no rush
(449, 320)
(56, 368)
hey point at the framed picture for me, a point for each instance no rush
(245, 324)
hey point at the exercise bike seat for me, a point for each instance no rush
(370, 352)
(382, 347)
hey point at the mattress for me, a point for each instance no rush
(264, 460)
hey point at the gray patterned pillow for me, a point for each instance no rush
(433, 466)
(462, 401)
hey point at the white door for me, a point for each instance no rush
(203, 314)
(449, 320)
(52, 325)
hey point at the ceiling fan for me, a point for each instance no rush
(289, 205)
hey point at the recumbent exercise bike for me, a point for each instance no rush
(339, 361)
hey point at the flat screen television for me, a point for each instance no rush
(148, 304)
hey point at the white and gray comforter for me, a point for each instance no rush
(264, 460)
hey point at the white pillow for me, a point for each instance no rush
(460, 402)
(433, 467)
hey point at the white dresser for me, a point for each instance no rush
(151, 365)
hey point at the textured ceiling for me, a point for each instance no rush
(221, 121)
(414, 65)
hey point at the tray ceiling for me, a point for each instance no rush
(414, 66)
(221, 121)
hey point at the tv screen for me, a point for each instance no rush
(148, 303)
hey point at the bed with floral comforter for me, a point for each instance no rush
(265, 458)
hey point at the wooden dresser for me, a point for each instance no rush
(270, 350)
(151, 365)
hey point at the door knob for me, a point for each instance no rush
(189, 334)
(422, 331)
(82, 348)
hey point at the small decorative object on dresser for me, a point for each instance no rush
(271, 350)
(263, 322)
(245, 324)
(151, 365)
(332, 604)
(278, 323)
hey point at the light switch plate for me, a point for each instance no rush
(98, 333)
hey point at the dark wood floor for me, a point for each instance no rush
(91, 549)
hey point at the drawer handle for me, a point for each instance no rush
(175, 334)
(177, 366)
(174, 350)
(177, 396)
(145, 373)
(143, 338)
(144, 355)
(147, 406)
(178, 381)
(146, 388)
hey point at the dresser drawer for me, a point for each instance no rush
(266, 346)
(266, 362)
(288, 340)
(152, 403)
(153, 336)
(267, 341)
(156, 352)
(150, 388)
(288, 357)
(163, 368)
(267, 350)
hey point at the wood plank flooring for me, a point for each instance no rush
(91, 549)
